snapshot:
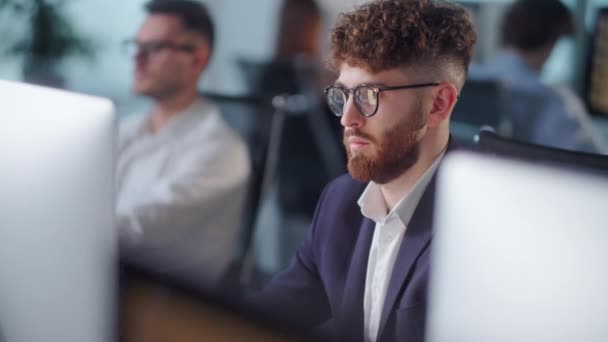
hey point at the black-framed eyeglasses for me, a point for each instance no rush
(133, 47)
(365, 96)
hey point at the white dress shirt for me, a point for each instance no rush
(181, 190)
(388, 234)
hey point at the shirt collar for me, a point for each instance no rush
(374, 207)
(178, 121)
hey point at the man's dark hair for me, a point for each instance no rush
(298, 18)
(193, 15)
(532, 24)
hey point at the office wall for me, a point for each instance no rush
(245, 29)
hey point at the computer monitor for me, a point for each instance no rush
(519, 253)
(492, 143)
(57, 240)
(596, 78)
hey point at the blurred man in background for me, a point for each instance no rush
(182, 172)
(310, 135)
(295, 69)
(539, 113)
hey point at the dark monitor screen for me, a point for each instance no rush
(596, 85)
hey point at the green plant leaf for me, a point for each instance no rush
(51, 35)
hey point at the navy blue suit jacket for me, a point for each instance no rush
(326, 279)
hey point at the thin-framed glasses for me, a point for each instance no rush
(365, 96)
(133, 47)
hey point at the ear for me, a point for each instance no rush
(202, 55)
(445, 97)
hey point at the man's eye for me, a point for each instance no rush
(155, 47)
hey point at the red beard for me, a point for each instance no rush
(395, 152)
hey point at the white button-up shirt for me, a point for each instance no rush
(181, 191)
(388, 234)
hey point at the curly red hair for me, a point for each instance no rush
(386, 34)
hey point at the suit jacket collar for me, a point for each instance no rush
(351, 315)
(416, 239)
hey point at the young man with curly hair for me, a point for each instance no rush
(364, 264)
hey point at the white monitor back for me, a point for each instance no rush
(520, 253)
(57, 242)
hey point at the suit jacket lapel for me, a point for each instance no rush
(416, 239)
(351, 315)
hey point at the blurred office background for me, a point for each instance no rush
(246, 33)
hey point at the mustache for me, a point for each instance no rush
(353, 132)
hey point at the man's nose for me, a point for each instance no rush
(140, 57)
(351, 117)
